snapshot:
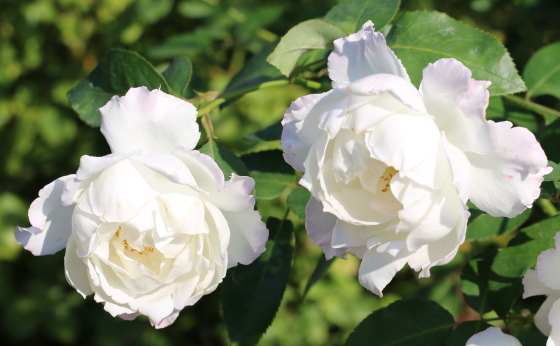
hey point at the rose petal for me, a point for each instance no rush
(458, 104)
(378, 269)
(507, 181)
(75, 270)
(533, 285)
(50, 220)
(319, 226)
(362, 54)
(152, 121)
(492, 336)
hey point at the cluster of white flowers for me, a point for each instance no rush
(391, 167)
(152, 227)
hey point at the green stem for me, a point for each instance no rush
(275, 83)
(532, 106)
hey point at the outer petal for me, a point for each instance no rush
(554, 320)
(295, 150)
(378, 269)
(506, 182)
(458, 104)
(542, 317)
(76, 270)
(149, 120)
(492, 336)
(533, 286)
(320, 226)
(51, 221)
(548, 263)
(362, 54)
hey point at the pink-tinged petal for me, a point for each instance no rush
(76, 270)
(362, 54)
(379, 268)
(403, 141)
(295, 150)
(167, 321)
(460, 169)
(533, 285)
(507, 181)
(51, 221)
(554, 320)
(346, 235)
(320, 225)
(458, 104)
(492, 336)
(547, 266)
(152, 121)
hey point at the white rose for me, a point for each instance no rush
(152, 227)
(391, 167)
(544, 280)
(492, 336)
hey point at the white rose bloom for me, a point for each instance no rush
(390, 167)
(544, 280)
(152, 227)
(492, 336)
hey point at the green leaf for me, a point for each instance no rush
(271, 173)
(500, 110)
(350, 15)
(150, 11)
(320, 268)
(255, 72)
(178, 74)
(512, 262)
(308, 35)
(419, 38)
(474, 282)
(251, 294)
(297, 201)
(555, 174)
(542, 72)
(226, 160)
(464, 331)
(271, 133)
(118, 71)
(405, 322)
(484, 225)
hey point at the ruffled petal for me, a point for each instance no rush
(152, 121)
(248, 236)
(492, 336)
(51, 221)
(458, 104)
(541, 318)
(506, 182)
(554, 320)
(378, 269)
(548, 263)
(320, 226)
(295, 149)
(362, 54)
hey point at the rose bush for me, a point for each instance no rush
(390, 167)
(544, 280)
(152, 227)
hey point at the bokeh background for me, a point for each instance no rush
(48, 46)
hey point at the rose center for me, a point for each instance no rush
(146, 249)
(384, 183)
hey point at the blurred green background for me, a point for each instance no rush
(48, 46)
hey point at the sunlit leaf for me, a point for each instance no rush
(178, 74)
(419, 38)
(512, 262)
(251, 294)
(555, 174)
(308, 35)
(226, 160)
(484, 225)
(118, 71)
(405, 322)
(297, 201)
(350, 15)
(542, 72)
